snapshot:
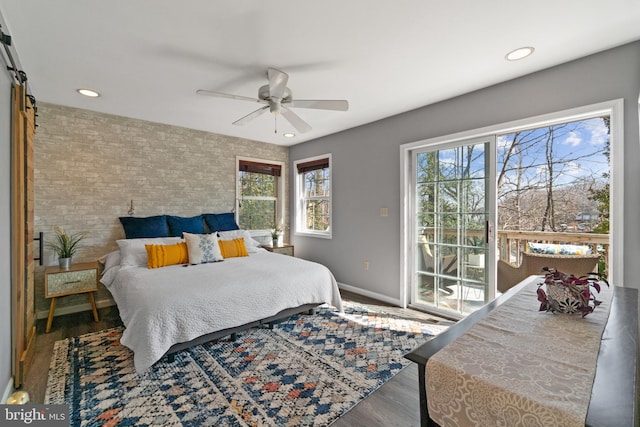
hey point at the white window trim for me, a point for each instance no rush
(614, 108)
(280, 196)
(299, 188)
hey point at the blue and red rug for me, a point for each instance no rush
(306, 371)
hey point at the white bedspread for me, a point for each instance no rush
(165, 306)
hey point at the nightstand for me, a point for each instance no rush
(284, 249)
(78, 279)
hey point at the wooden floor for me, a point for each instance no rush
(396, 403)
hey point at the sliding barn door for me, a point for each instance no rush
(22, 233)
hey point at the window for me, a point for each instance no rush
(550, 179)
(313, 195)
(259, 194)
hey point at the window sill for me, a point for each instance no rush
(312, 234)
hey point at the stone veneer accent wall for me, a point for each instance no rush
(89, 166)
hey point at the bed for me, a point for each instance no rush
(168, 309)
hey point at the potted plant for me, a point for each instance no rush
(65, 245)
(567, 293)
(275, 235)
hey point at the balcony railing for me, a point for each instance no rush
(462, 285)
(512, 243)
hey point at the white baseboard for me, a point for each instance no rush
(369, 294)
(7, 391)
(43, 314)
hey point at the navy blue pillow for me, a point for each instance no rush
(178, 224)
(151, 226)
(221, 222)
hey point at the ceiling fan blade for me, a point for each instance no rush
(246, 119)
(226, 95)
(277, 82)
(320, 104)
(295, 120)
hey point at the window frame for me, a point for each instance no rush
(613, 108)
(300, 211)
(280, 192)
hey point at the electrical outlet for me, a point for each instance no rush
(384, 211)
(365, 265)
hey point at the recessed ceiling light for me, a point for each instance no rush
(88, 92)
(519, 53)
(288, 135)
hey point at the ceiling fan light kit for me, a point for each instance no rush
(279, 99)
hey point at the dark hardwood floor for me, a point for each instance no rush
(70, 325)
(396, 403)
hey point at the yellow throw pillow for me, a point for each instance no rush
(233, 248)
(164, 255)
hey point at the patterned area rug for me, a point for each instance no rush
(306, 371)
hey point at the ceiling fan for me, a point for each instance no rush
(279, 99)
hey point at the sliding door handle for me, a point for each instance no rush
(487, 231)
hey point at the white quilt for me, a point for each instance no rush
(165, 306)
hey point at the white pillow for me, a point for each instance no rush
(250, 243)
(134, 254)
(109, 260)
(202, 248)
(108, 275)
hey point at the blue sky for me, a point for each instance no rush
(578, 146)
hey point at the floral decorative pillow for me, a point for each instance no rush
(553, 249)
(203, 248)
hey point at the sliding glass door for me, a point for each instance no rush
(473, 197)
(452, 211)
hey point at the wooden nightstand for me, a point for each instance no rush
(284, 249)
(78, 279)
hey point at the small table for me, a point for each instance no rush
(77, 279)
(285, 249)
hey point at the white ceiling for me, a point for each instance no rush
(148, 57)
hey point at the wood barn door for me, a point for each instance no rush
(22, 226)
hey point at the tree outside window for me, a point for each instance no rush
(555, 178)
(317, 204)
(258, 194)
(314, 196)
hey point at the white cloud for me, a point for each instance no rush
(542, 170)
(573, 169)
(599, 134)
(573, 139)
(503, 141)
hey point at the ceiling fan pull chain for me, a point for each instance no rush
(275, 124)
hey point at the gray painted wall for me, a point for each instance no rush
(366, 161)
(5, 229)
